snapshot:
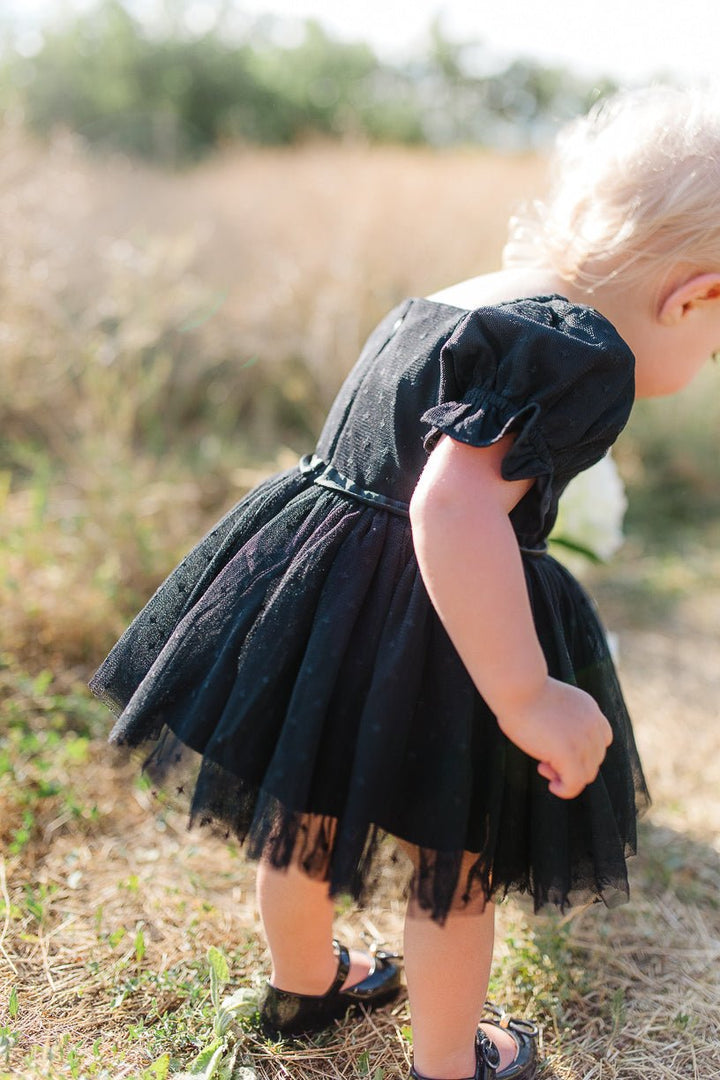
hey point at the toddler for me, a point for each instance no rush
(376, 641)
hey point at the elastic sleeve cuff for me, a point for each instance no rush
(483, 418)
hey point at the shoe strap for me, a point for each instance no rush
(510, 1023)
(487, 1057)
(342, 969)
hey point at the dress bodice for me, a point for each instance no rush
(557, 375)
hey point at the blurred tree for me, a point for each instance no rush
(174, 88)
(102, 76)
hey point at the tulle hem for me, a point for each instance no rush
(355, 860)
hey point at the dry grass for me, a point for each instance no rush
(625, 994)
(163, 333)
(161, 336)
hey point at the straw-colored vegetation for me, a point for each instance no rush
(166, 340)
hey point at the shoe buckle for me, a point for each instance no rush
(375, 949)
(512, 1023)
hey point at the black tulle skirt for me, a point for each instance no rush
(292, 677)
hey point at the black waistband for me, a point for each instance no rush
(327, 476)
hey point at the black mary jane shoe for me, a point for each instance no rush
(487, 1055)
(285, 1013)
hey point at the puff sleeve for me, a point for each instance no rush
(555, 374)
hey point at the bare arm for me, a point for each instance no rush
(472, 568)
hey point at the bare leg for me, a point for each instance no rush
(297, 916)
(447, 969)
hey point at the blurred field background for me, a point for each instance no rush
(175, 320)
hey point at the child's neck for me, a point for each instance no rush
(501, 286)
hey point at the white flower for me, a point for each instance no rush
(591, 512)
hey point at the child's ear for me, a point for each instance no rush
(681, 301)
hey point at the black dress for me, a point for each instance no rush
(296, 649)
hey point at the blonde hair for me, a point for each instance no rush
(635, 188)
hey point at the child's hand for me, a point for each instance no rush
(564, 729)
(470, 563)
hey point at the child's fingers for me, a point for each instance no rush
(564, 791)
(568, 788)
(562, 787)
(571, 781)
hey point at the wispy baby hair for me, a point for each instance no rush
(635, 189)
